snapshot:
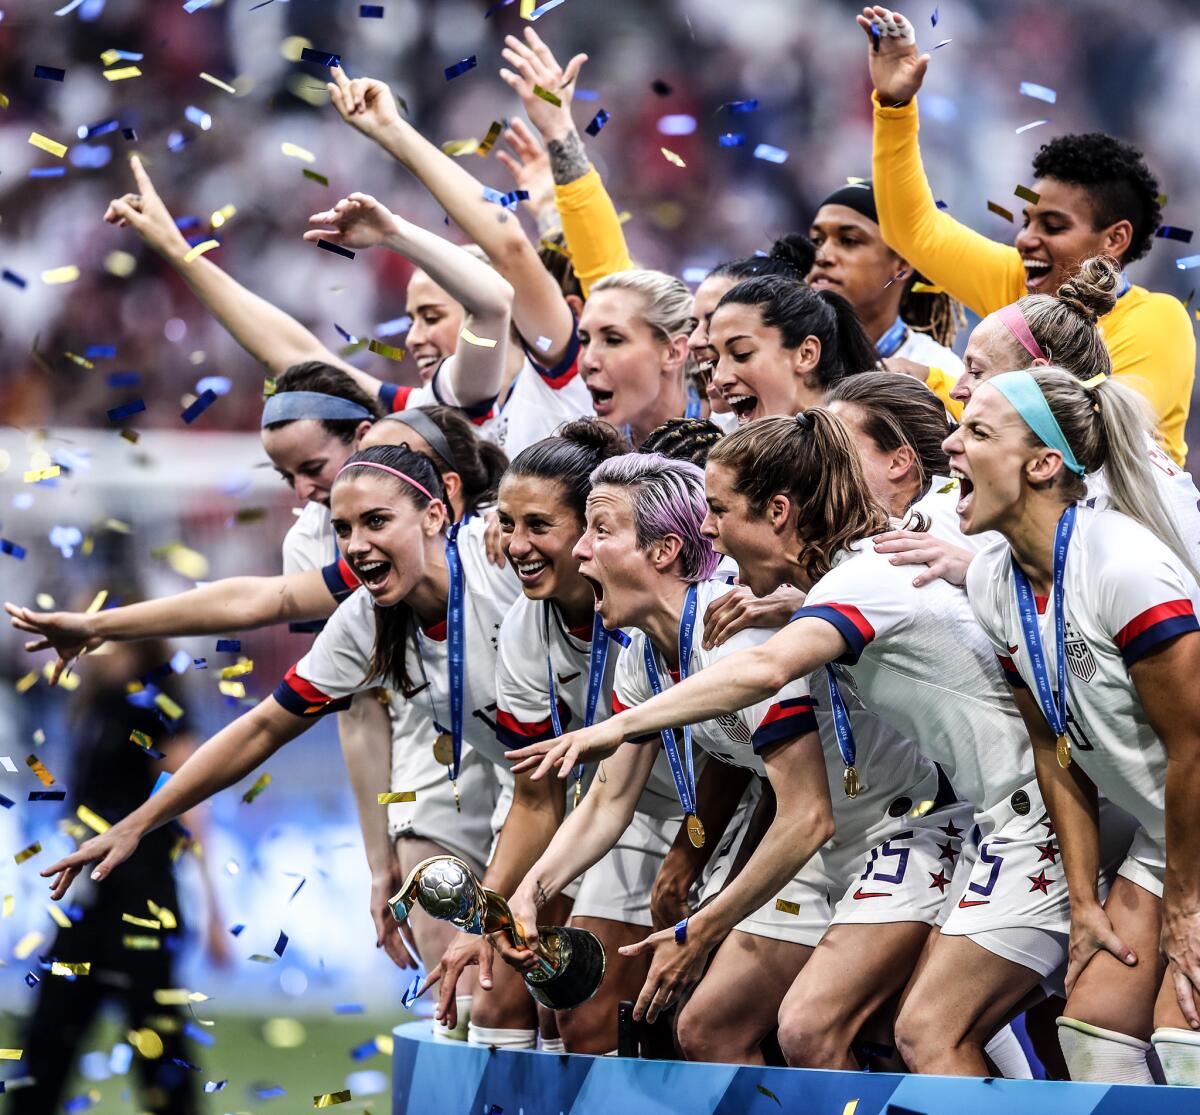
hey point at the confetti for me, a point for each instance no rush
(39, 474)
(263, 781)
(12, 549)
(206, 399)
(457, 148)
(56, 276)
(8, 905)
(1000, 211)
(43, 775)
(315, 176)
(472, 339)
(933, 22)
(598, 121)
(215, 1085)
(200, 249)
(141, 942)
(337, 249)
(1026, 194)
(1031, 125)
(116, 414)
(540, 11)
(731, 139)
(349, 1008)
(547, 96)
(8, 803)
(328, 1099)
(944, 42)
(26, 945)
(294, 152)
(676, 124)
(48, 172)
(396, 798)
(15, 279)
(82, 361)
(489, 140)
(232, 689)
(68, 968)
(168, 707)
(768, 1093)
(390, 351)
(370, 11)
(238, 669)
(146, 923)
(1038, 92)
(671, 157)
(786, 907)
(750, 105)
(850, 1108)
(660, 87)
(122, 73)
(195, 5)
(1170, 232)
(770, 154)
(320, 57)
(1187, 262)
(47, 795)
(6, 760)
(58, 916)
(49, 73)
(461, 67)
(11, 1054)
(168, 919)
(281, 943)
(218, 82)
(229, 646)
(222, 215)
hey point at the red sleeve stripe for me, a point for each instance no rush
(514, 733)
(340, 579)
(786, 720)
(1011, 673)
(1153, 627)
(852, 625)
(565, 370)
(301, 698)
(394, 397)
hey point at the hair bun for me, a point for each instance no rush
(591, 433)
(1092, 292)
(796, 250)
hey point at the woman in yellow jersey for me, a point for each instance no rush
(1094, 197)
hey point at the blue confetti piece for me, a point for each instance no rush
(215, 1085)
(587, 94)
(770, 154)
(31, 980)
(396, 325)
(410, 995)
(236, 930)
(195, 5)
(188, 222)
(538, 12)
(461, 67)
(493, 1109)
(198, 1034)
(933, 19)
(337, 249)
(1187, 262)
(944, 42)
(200, 663)
(199, 117)
(125, 410)
(229, 646)
(1170, 232)
(7, 803)
(299, 888)
(49, 73)
(47, 795)
(281, 944)
(199, 407)
(269, 1091)
(508, 200)
(362, 1052)
(349, 1008)
(349, 338)
(130, 134)
(124, 379)
(100, 352)
(732, 139)
(91, 131)
(320, 57)
(177, 141)
(163, 778)
(370, 11)
(180, 661)
(750, 105)
(496, 7)
(15, 279)
(1038, 92)
(80, 1102)
(598, 121)
(12, 549)
(676, 124)
(47, 171)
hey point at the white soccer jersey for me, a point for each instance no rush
(533, 630)
(1176, 489)
(921, 348)
(918, 660)
(540, 401)
(310, 542)
(1124, 595)
(339, 663)
(889, 767)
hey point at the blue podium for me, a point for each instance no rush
(435, 1078)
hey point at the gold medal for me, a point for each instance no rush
(850, 781)
(1062, 750)
(443, 749)
(695, 829)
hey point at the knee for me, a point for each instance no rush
(585, 1030)
(917, 1036)
(808, 1040)
(703, 1032)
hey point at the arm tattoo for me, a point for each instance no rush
(542, 897)
(568, 158)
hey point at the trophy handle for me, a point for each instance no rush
(500, 917)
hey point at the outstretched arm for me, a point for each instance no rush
(229, 756)
(538, 306)
(475, 372)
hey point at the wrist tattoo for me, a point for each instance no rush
(568, 158)
(542, 897)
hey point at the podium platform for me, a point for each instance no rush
(436, 1078)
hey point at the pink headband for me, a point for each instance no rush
(394, 472)
(1014, 321)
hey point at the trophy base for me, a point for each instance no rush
(581, 959)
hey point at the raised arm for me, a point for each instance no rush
(475, 371)
(979, 272)
(229, 756)
(589, 219)
(538, 306)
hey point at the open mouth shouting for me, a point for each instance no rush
(597, 588)
(744, 406)
(374, 575)
(1037, 273)
(602, 401)
(966, 490)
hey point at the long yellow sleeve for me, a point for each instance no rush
(979, 272)
(940, 384)
(592, 229)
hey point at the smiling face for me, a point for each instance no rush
(383, 534)
(538, 530)
(853, 260)
(625, 364)
(437, 321)
(708, 294)
(1058, 234)
(755, 373)
(991, 349)
(308, 456)
(621, 575)
(747, 536)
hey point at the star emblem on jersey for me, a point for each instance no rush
(939, 880)
(947, 852)
(1040, 882)
(951, 830)
(1046, 852)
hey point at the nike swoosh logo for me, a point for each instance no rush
(964, 904)
(860, 893)
(569, 678)
(1013, 650)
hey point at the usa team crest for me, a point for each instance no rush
(1079, 660)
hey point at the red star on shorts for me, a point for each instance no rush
(947, 851)
(1040, 882)
(951, 830)
(939, 880)
(1049, 826)
(1047, 852)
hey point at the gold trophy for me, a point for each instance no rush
(570, 961)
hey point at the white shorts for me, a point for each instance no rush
(618, 886)
(1146, 864)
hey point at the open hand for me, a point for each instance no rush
(147, 215)
(68, 633)
(110, 848)
(357, 221)
(740, 608)
(364, 102)
(897, 69)
(535, 65)
(674, 970)
(913, 547)
(395, 938)
(1092, 932)
(463, 951)
(566, 751)
(1181, 947)
(529, 164)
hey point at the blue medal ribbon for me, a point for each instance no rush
(1053, 705)
(597, 662)
(844, 732)
(682, 771)
(694, 408)
(456, 646)
(888, 344)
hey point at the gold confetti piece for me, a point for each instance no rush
(671, 157)
(27, 682)
(43, 775)
(73, 829)
(68, 681)
(82, 361)
(71, 968)
(11, 1054)
(316, 177)
(199, 250)
(3, 100)
(258, 958)
(1026, 194)
(168, 707)
(1000, 211)
(218, 83)
(122, 73)
(173, 996)
(268, 388)
(146, 1042)
(489, 140)
(44, 601)
(294, 152)
(186, 562)
(141, 739)
(785, 907)
(225, 213)
(546, 95)
(163, 914)
(624, 216)
(57, 276)
(100, 597)
(56, 913)
(390, 351)
(527, 7)
(238, 669)
(768, 1093)
(850, 1108)
(25, 946)
(131, 436)
(50, 146)
(121, 264)
(395, 798)
(232, 689)
(471, 339)
(926, 288)
(141, 943)
(110, 56)
(551, 246)
(38, 474)
(8, 905)
(456, 148)
(331, 1098)
(144, 923)
(263, 781)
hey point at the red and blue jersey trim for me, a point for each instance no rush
(514, 733)
(1148, 631)
(565, 370)
(394, 396)
(301, 698)
(339, 579)
(785, 720)
(851, 624)
(1011, 674)
(618, 706)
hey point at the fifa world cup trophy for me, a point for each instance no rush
(570, 961)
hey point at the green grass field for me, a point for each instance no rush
(319, 1063)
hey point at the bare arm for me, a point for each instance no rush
(229, 756)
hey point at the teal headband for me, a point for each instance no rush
(1023, 392)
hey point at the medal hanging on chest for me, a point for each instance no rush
(682, 768)
(851, 784)
(1053, 704)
